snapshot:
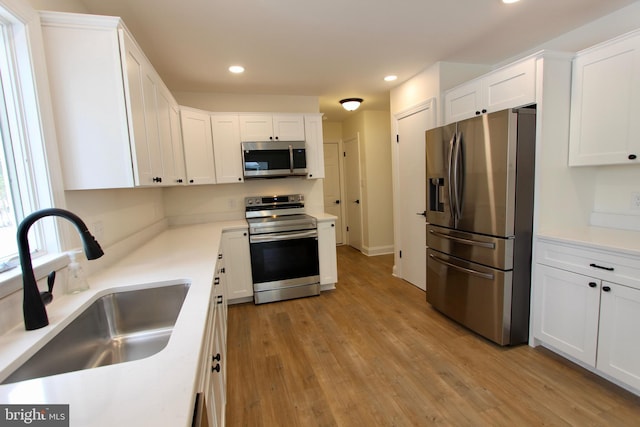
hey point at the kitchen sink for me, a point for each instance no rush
(118, 327)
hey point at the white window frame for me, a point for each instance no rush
(31, 121)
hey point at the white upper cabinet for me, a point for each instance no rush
(227, 149)
(170, 139)
(271, 127)
(510, 86)
(198, 146)
(314, 145)
(104, 96)
(605, 104)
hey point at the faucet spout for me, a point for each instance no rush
(33, 308)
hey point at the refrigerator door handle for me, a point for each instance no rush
(487, 245)
(450, 180)
(457, 180)
(487, 276)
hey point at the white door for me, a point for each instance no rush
(353, 192)
(331, 185)
(412, 242)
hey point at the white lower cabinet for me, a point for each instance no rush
(619, 337)
(235, 249)
(590, 317)
(213, 370)
(327, 252)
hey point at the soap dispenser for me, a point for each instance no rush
(76, 279)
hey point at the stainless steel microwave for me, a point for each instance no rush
(273, 159)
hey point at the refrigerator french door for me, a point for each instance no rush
(480, 180)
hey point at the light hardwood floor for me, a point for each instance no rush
(374, 353)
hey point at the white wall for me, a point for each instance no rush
(248, 103)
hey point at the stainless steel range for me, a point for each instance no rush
(283, 242)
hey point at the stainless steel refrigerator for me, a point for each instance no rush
(480, 182)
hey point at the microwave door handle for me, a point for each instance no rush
(291, 158)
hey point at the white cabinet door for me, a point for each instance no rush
(463, 102)
(327, 252)
(271, 127)
(511, 86)
(256, 127)
(226, 148)
(288, 127)
(235, 247)
(605, 105)
(567, 310)
(314, 145)
(198, 146)
(619, 339)
(170, 139)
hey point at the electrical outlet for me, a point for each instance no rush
(635, 200)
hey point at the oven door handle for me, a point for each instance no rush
(262, 238)
(291, 158)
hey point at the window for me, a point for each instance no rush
(15, 178)
(26, 182)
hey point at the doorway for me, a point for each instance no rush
(411, 241)
(353, 192)
(332, 186)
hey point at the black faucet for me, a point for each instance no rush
(35, 315)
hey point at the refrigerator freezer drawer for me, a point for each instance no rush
(476, 296)
(486, 250)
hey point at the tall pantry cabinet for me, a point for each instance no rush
(114, 116)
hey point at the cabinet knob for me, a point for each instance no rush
(216, 281)
(592, 284)
(632, 157)
(484, 111)
(239, 178)
(606, 288)
(477, 113)
(215, 368)
(219, 299)
(216, 358)
(180, 180)
(191, 181)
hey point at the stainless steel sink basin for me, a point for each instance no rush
(116, 328)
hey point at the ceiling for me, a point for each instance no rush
(335, 49)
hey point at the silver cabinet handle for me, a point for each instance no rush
(487, 245)
(487, 276)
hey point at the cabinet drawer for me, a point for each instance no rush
(606, 265)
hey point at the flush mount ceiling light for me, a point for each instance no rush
(510, 1)
(351, 104)
(390, 78)
(236, 69)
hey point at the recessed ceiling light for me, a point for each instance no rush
(236, 69)
(390, 78)
(510, 1)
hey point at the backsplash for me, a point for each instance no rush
(615, 205)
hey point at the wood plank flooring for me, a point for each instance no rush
(374, 353)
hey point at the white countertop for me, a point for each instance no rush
(609, 239)
(156, 391)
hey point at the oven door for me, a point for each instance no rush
(273, 159)
(281, 260)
